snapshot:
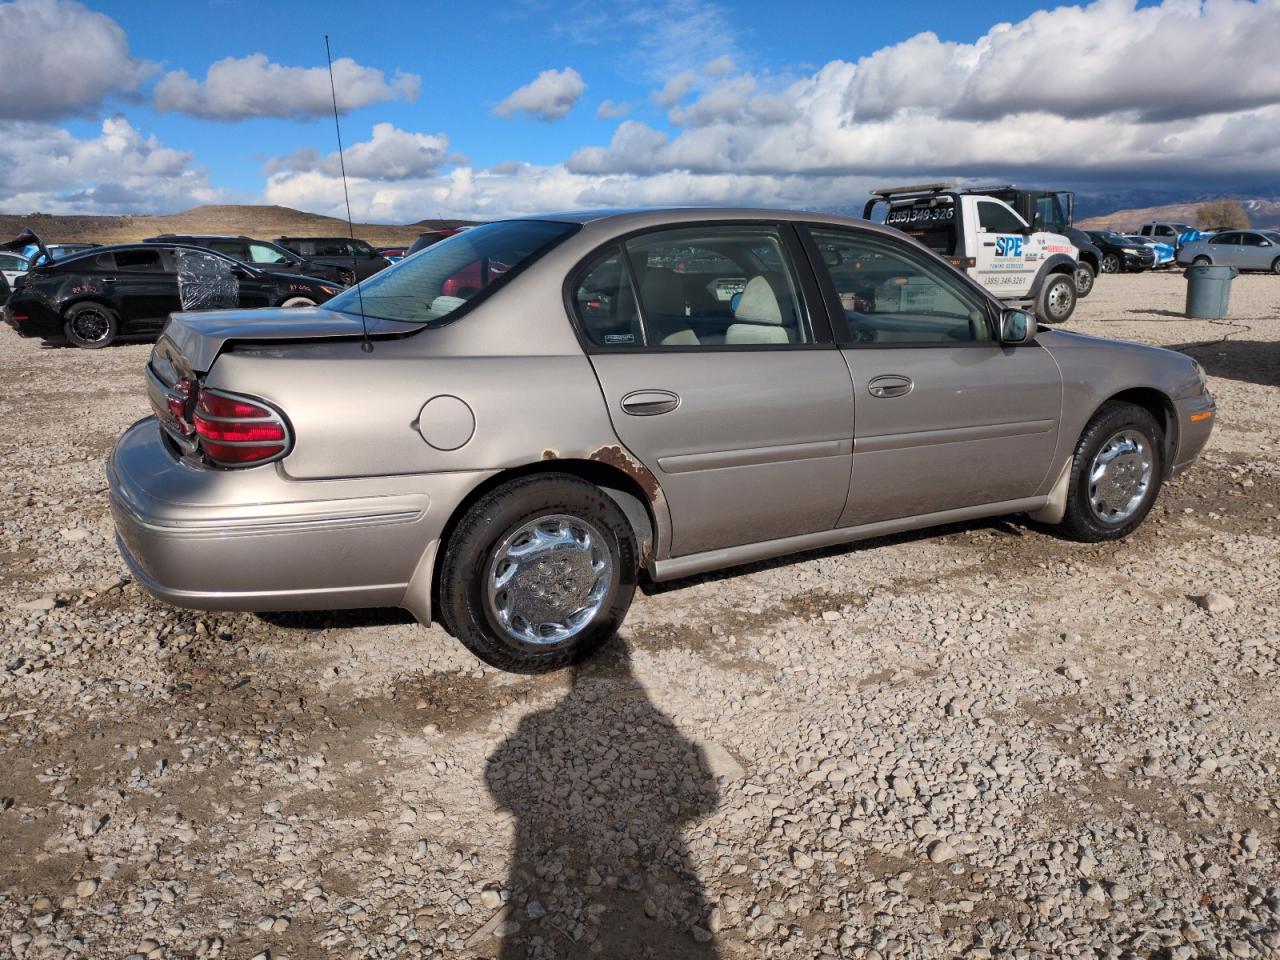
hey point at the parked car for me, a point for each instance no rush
(1120, 253)
(4, 289)
(57, 251)
(1243, 249)
(1164, 254)
(263, 254)
(512, 461)
(355, 255)
(12, 266)
(1170, 232)
(131, 289)
(432, 237)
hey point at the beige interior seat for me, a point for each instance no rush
(758, 317)
(662, 296)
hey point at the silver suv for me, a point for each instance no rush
(510, 428)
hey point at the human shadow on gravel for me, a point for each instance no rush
(601, 785)
(1253, 361)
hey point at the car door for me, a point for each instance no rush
(945, 416)
(1253, 255)
(748, 429)
(1002, 263)
(145, 287)
(1224, 248)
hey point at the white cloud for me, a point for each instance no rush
(676, 88)
(61, 59)
(549, 97)
(390, 154)
(46, 168)
(253, 86)
(677, 35)
(608, 110)
(997, 107)
(1082, 62)
(719, 66)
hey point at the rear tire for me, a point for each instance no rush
(538, 574)
(90, 326)
(1115, 475)
(1085, 278)
(1201, 262)
(1057, 298)
(299, 302)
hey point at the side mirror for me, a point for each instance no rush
(1017, 326)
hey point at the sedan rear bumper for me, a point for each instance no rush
(256, 540)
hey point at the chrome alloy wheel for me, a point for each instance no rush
(91, 326)
(1120, 477)
(548, 579)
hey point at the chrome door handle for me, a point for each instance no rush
(649, 403)
(890, 385)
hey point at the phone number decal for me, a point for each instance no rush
(921, 215)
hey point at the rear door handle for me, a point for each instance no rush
(649, 403)
(890, 385)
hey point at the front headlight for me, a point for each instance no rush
(1129, 249)
(1204, 380)
(331, 291)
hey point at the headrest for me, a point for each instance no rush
(758, 304)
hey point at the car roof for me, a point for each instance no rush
(114, 247)
(646, 216)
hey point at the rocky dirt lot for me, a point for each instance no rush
(981, 741)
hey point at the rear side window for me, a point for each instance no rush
(259, 253)
(1229, 239)
(232, 248)
(730, 285)
(427, 287)
(138, 260)
(996, 218)
(606, 304)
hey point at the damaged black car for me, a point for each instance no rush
(91, 299)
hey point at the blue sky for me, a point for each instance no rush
(462, 109)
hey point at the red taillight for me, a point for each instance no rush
(235, 430)
(19, 317)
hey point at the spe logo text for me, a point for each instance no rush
(1008, 246)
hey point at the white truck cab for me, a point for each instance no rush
(986, 238)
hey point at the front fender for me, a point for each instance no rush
(1055, 263)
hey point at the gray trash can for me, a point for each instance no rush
(1209, 290)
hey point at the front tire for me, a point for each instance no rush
(1110, 263)
(1057, 299)
(538, 574)
(1116, 474)
(1085, 278)
(90, 326)
(1275, 265)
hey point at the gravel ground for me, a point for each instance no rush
(979, 741)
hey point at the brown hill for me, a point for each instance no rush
(1263, 214)
(261, 222)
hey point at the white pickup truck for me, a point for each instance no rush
(986, 238)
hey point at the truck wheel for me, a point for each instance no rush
(1115, 475)
(1057, 299)
(539, 573)
(1110, 263)
(1084, 279)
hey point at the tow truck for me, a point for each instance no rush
(1053, 210)
(982, 235)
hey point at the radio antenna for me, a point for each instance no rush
(367, 345)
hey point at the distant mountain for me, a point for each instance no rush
(1263, 214)
(261, 222)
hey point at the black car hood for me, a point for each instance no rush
(199, 337)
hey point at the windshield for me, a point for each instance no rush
(437, 281)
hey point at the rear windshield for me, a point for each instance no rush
(437, 281)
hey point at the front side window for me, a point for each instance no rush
(1250, 240)
(231, 248)
(427, 287)
(890, 294)
(258, 253)
(997, 218)
(730, 285)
